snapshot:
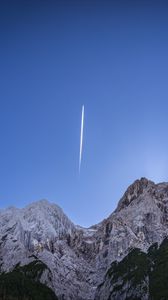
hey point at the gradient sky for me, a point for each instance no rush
(55, 56)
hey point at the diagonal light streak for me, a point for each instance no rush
(81, 137)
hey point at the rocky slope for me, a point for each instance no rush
(77, 259)
(138, 276)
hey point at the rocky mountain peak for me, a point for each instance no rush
(78, 258)
(134, 191)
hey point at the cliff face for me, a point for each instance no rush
(138, 276)
(140, 220)
(77, 258)
(43, 231)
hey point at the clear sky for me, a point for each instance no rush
(55, 56)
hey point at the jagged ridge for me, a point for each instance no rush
(78, 259)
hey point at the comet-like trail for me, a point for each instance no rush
(81, 137)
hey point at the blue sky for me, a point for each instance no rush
(56, 56)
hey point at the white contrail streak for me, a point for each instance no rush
(81, 137)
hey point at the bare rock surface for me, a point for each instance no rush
(78, 258)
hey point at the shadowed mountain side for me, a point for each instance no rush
(23, 284)
(139, 276)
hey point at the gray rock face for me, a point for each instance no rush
(78, 258)
(138, 275)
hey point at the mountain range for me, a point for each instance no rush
(43, 255)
